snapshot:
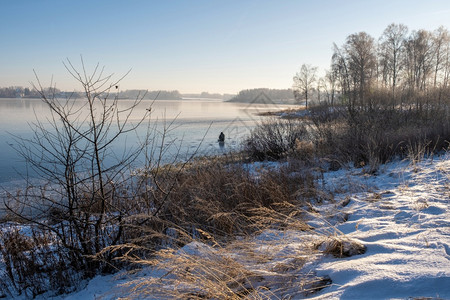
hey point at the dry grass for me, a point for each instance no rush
(369, 137)
(223, 198)
(341, 247)
(246, 268)
(266, 263)
(204, 273)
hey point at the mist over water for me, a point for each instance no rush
(192, 126)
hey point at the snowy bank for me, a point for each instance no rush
(404, 221)
(401, 216)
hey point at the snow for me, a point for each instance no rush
(401, 215)
(405, 225)
(97, 288)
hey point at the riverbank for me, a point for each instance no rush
(400, 217)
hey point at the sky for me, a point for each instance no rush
(191, 46)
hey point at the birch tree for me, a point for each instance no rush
(303, 82)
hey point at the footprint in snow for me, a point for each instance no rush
(402, 217)
(433, 210)
(447, 250)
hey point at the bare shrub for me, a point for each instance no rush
(274, 138)
(85, 191)
(370, 137)
(35, 262)
(304, 150)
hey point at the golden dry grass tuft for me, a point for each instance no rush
(243, 269)
(340, 246)
(265, 263)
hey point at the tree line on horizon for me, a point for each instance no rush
(19, 92)
(25, 92)
(249, 95)
(263, 95)
(400, 66)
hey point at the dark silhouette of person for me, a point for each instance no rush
(222, 137)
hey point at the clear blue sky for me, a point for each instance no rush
(192, 46)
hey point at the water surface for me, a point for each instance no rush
(195, 124)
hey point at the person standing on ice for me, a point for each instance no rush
(221, 137)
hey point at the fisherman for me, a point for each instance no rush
(221, 137)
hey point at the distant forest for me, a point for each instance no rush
(150, 95)
(21, 92)
(261, 95)
(264, 95)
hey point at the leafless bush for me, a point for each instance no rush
(86, 189)
(370, 137)
(34, 263)
(274, 138)
(367, 135)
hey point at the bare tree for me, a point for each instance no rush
(441, 44)
(340, 70)
(360, 53)
(446, 66)
(419, 58)
(391, 53)
(86, 190)
(303, 82)
(329, 83)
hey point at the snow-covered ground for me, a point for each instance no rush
(401, 215)
(404, 221)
